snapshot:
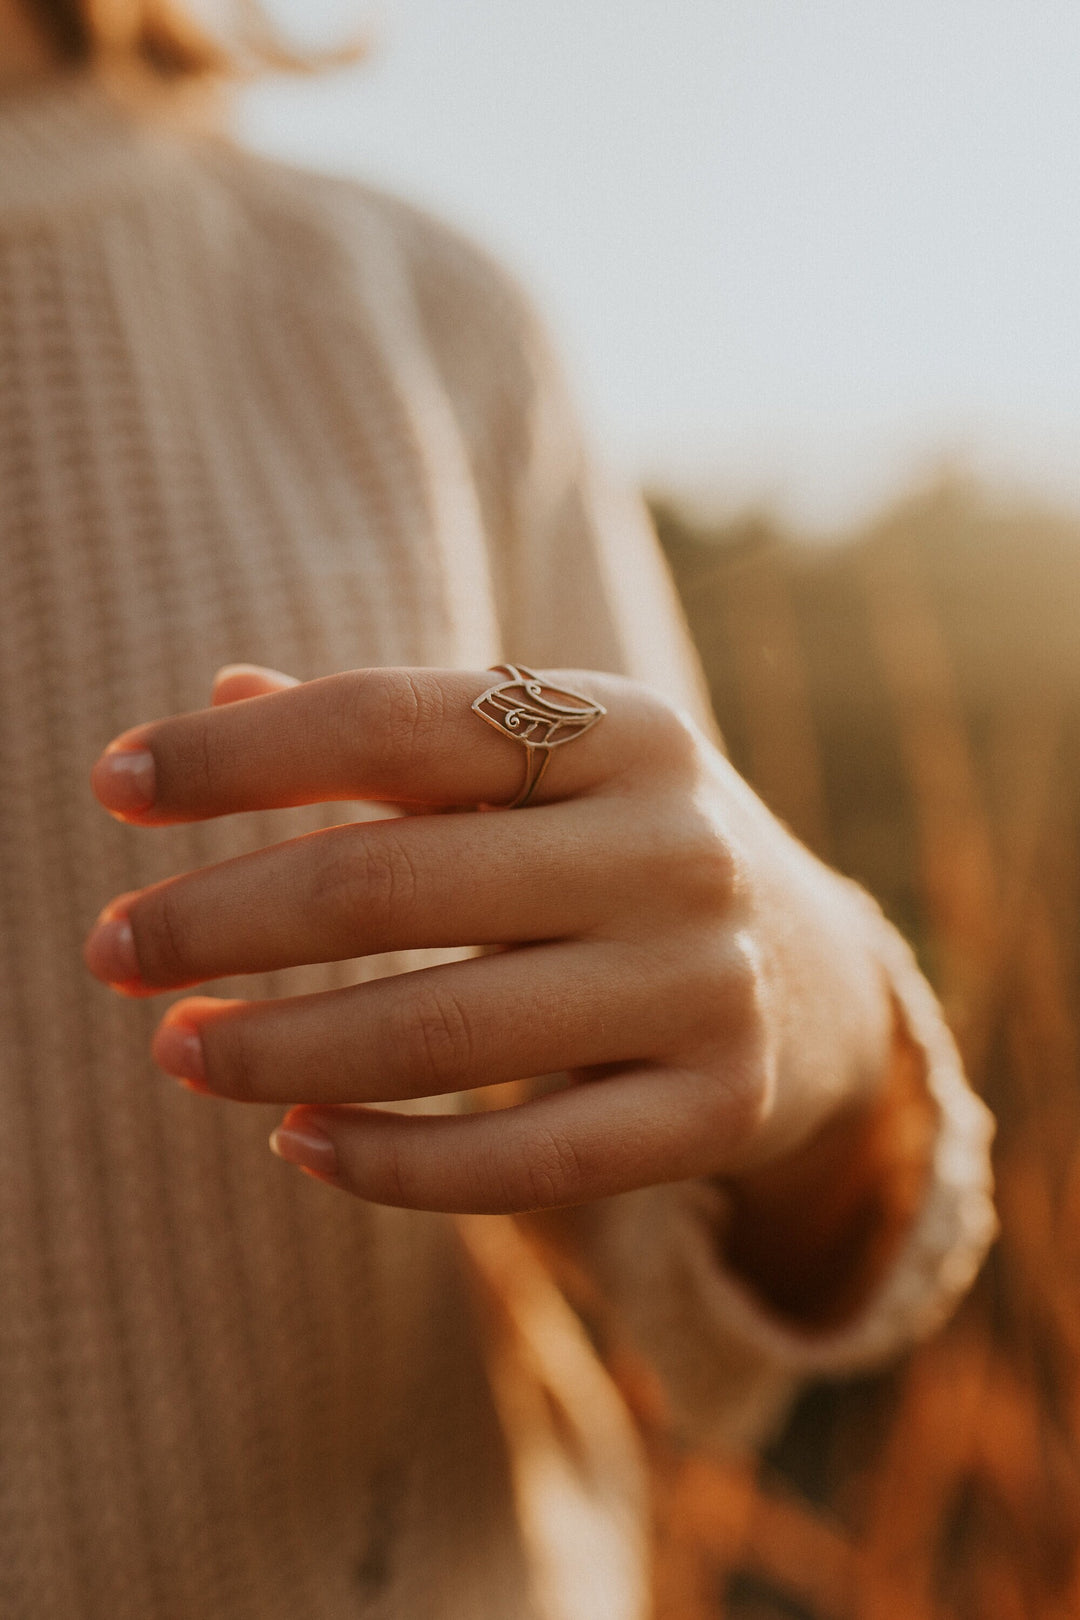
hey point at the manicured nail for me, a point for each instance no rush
(109, 951)
(123, 780)
(228, 671)
(178, 1049)
(306, 1146)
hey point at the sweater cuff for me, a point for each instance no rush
(726, 1360)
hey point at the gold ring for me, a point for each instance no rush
(525, 708)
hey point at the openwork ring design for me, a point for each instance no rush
(528, 709)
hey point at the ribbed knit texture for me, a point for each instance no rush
(246, 414)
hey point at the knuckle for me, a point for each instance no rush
(161, 945)
(700, 864)
(741, 1099)
(672, 741)
(393, 713)
(700, 977)
(743, 983)
(188, 753)
(550, 1173)
(715, 870)
(369, 878)
(395, 1182)
(232, 1059)
(358, 713)
(437, 1045)
(723, 992)
(405, 710)
(740, 1061)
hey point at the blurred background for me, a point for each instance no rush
(815, 270)
(796, 254)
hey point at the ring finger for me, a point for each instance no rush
(510, 1016)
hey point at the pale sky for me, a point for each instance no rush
(795, 251)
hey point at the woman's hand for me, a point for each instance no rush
(710, 987)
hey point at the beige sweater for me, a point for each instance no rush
(251, 414)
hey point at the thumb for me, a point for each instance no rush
(236, 681)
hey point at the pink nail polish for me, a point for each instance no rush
(178, 1049)
(109, 952)
(306, 1146)
(123, 780)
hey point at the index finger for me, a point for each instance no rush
(394, 734)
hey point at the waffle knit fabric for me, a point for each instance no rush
(251, 414)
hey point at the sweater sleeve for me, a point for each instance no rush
(728, 1362)
(580, 583)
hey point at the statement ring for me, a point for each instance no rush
(528, 709)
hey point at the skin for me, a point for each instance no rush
(709, 985)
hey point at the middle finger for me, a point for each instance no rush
(361, 889)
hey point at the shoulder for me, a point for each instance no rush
(324, 230)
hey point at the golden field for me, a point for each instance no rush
(908, 700)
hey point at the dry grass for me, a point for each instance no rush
(909, 703)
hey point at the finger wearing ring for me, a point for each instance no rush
(527, 709)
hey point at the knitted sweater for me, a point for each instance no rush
(251, 414)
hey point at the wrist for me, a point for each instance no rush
(814, 1230)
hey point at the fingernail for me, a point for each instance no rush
(123, 780)
(306, 1146)
(178, 1049)
(227, 671)
(109, 951)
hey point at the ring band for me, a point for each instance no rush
(524, 708)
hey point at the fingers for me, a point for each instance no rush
(451, 1028)
(388, 734)
(592, 1141)
(360, 889)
